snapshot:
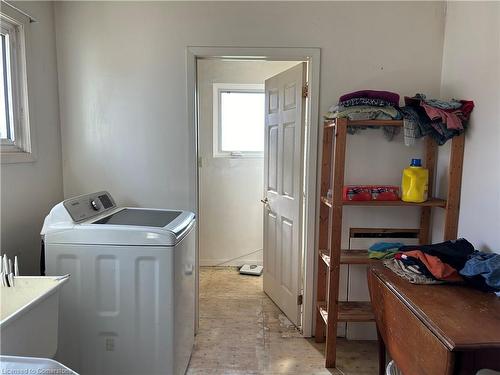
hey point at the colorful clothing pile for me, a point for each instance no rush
(368, 105)
(445, 262)
(439, 262)
(442, 120)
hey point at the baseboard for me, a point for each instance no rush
(253, 257)
(230, 263)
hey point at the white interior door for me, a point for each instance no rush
(283, 173)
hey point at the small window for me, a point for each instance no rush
(14, 123)
(238, 120)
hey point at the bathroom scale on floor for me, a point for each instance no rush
(251, 269)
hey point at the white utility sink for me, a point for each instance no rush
(29, 316)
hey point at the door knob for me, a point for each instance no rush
(265, 201)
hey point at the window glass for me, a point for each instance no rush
(5, 112)
(241, 121)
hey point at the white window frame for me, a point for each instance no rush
(218, 89)
(21, 149)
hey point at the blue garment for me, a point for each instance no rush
(386, 246)
(485, 264)
(441, 104)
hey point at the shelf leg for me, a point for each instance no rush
(431, 150)
(454, 187)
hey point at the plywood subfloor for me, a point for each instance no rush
(243, 332)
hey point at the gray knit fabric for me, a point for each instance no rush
(409, 274)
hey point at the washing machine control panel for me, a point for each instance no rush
(88, 206)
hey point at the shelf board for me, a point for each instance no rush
(326, 201)
(354, 257)
(432, 202)
(349, 311)
(375, 123)
(325, 257)
(332, 123)
(322, 310)
(347, 257)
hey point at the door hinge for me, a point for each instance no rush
(300, 299)
(305, 91)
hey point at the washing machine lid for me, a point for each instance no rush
(140, 217)
(73, 222)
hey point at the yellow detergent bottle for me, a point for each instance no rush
(415, 183)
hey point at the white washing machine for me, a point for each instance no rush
(128, 307)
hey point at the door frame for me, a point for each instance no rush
(312, 56)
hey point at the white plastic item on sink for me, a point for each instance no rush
(29, 316)
(30, 365)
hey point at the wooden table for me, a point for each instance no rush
(434, 329)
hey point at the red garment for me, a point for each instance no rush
(451, 120)
(439, 269)
(464, 111)
(388, 96)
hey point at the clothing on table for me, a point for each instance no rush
(478, 282)
(439, 269)
(455, 253)
(399, 268)
(391, 97)
(486, 265)
(415, 263)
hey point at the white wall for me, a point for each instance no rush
(122, 79)
(230, 216)
(471, 70)
(29, 190)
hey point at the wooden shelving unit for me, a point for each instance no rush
(330, 253)
(431, 202)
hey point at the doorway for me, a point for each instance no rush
(227, 83)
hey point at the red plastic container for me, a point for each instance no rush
(371, 192)
(357, 193)
(385, 193)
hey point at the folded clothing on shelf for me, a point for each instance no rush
(368, 105)
(364, 112)
(384, 250)
(390, 97)
(442, 120)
